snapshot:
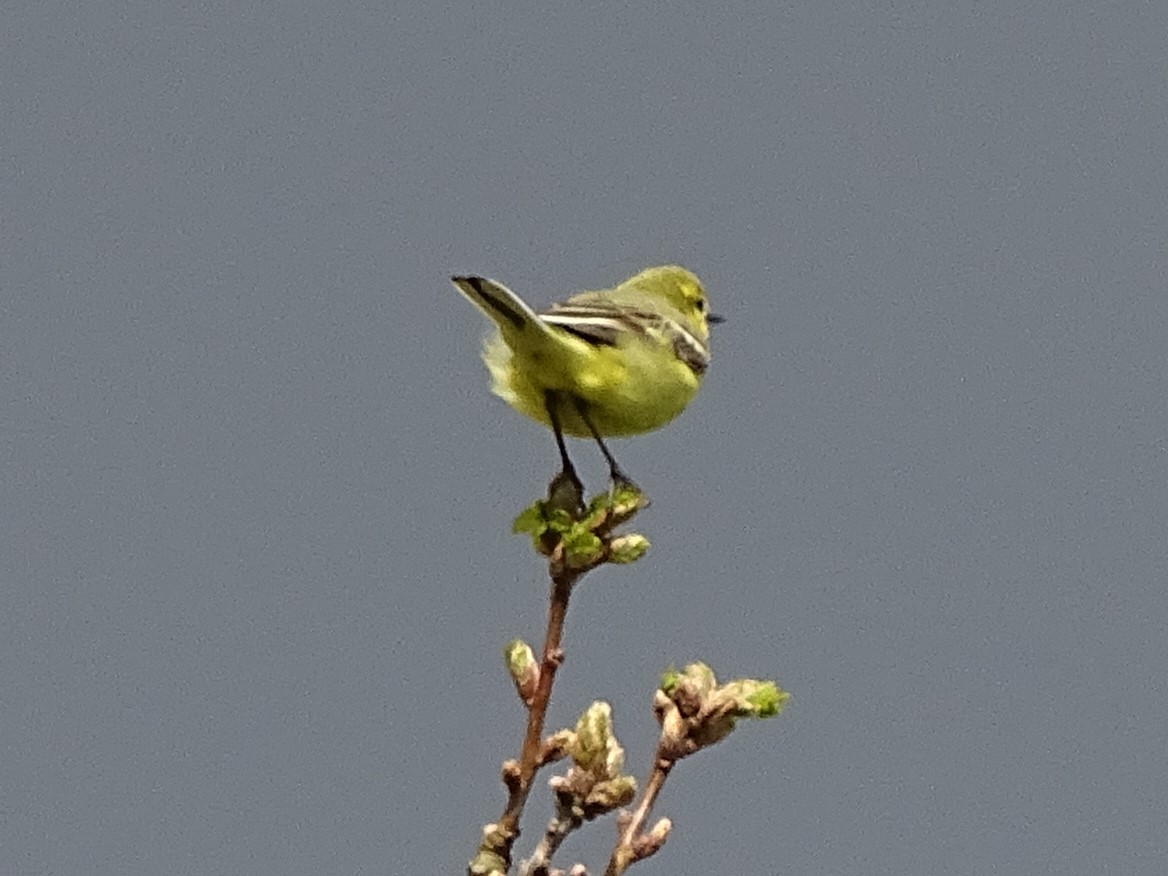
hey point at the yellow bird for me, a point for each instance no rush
(615, 362)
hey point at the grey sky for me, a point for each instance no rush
(255, 570)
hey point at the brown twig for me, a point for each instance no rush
(552, 657)
(631, 844)
(567, 563)
(499, 838)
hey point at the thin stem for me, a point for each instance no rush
(554, 834)
(494, 851)
(624, 853)
(529, 755)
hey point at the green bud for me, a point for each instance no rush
(596, 749)
(670, 679)
(582, 549)
(627, 548)
(695, 712)
(696, 676)
(593, 733)
(687, 689)
(523, 668)
(626, 501)
(752, 698)
(611, 794)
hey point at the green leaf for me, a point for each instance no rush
(532, 521)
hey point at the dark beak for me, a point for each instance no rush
(715, 319)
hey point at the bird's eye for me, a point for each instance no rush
(701, 304)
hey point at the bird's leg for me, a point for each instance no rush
(619, 478)
(566, 490)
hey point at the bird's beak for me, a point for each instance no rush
(715, 319)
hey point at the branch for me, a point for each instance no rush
(694, 713)
(574, 543)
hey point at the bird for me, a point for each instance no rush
(608, 363)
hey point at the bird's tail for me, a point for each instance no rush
(503, 306)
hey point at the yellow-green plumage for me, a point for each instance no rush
(613, 382)
(616, 362)
(635, 384)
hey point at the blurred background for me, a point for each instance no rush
(255, 558)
